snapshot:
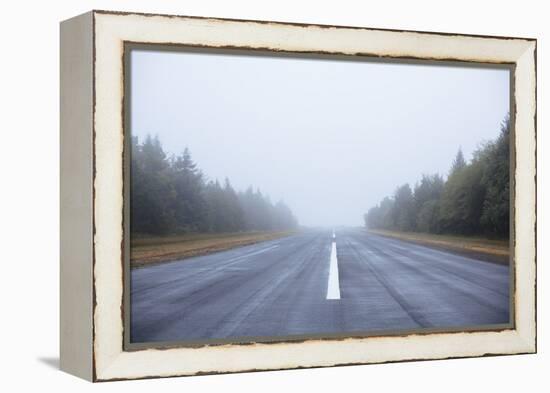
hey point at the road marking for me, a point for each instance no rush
(236, 260)
(333, 287)
(252, 253)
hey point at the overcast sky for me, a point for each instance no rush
(331, 138)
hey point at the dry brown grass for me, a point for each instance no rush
(152, 250)
(493, 250)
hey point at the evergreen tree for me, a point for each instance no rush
(495, 217)
(474, 199)
(283, 217)
(170, 195)
(403, 209)
(463, 196)
(381, 216)
(190, 206)
(152, 193)
(458, 163)
(426, 196)
(234, 212)
(428, 218)
(216, 221)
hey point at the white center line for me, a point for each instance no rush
(333, 287)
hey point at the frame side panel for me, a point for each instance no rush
(76, 179)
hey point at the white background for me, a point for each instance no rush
(29, 151)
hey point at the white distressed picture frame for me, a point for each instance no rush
(92, 194)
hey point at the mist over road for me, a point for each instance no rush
(315, 283)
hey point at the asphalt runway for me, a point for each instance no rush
(315, 282)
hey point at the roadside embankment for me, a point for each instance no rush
(490, 250)
(147, 250)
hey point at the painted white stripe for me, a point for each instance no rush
(253, 253)
(333, 287)
(235, 260)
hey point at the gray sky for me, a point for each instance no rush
(331, 138)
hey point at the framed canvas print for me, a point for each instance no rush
(245, 195)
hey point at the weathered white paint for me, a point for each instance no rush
(110, 359)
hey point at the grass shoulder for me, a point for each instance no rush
(491, 250)
(148, 250)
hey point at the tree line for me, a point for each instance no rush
(171, 195)
(473, 199)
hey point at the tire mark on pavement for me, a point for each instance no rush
(418, 318)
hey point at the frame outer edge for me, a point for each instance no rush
(526, 144)
(76, 196)
(114, 365)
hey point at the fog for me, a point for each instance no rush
(329, 137)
